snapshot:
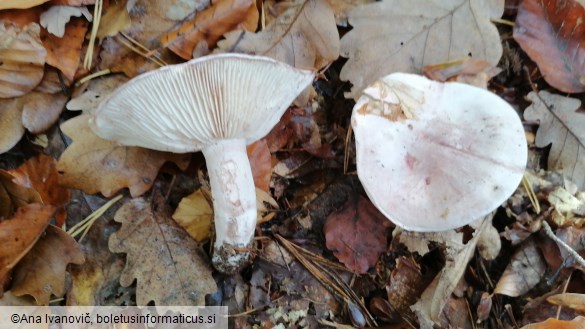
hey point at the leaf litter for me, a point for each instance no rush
(416, 280)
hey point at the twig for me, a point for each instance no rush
(562, 243)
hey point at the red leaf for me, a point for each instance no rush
(551, 33)
(357, 234)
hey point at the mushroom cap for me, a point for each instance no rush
(435, 156)
(182, 108)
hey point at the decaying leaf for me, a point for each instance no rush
(88, 98)
(55, 18)
(41, 273)
(40, 174)
(169, 267)
(404, 36)
(551, 32)
(195, 214)
(95, 165)
(569, 210)
(304, 36)
(210, 24)
(406, 284)
(356, 234)
(524, 271)
(13, 195)
(22, 59)
(577, 323)
(115, 19)
(19, 233)
(561, 125)
(40, 111)
(434, 298)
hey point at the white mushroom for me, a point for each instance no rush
(435, 156)
(217, 104)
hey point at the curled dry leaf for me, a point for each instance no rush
(210, 24)
(562, 126)
(22, 58)
(525, 270)
(169, 267)
(304, 36)
(41, 273)
(551, 32)
(576, 323)
(56, 17)
(356, 234)
(390, 36)
(19, 233)
(95, 165)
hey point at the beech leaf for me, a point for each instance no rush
(551, 32)
(562, 126)
(169, 267)
(95, 165)
(22, 59)
(41, 273)
(404, 36)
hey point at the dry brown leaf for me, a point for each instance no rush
(40, 174)
(64, 52)
(20, 4)
(195, 214)
(458, 254)
(404, 36)
(356, 234)
(115, 19)
(22, 59)
(563, 126)
(19, 233)
(525, 270)
(87, 99)
(577, 323)
(261, 163)
(210, 24)
(10, 123)
(14, 196)
(41, 273)
(169, 267)
(570, 300)
(40, 111)
(551, 32)
(405, 284)
(304, 36)
(95, 165)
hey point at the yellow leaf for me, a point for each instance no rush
(195, 214)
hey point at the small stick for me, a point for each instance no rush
(562, 243)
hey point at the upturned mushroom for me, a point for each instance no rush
(216, 104)
(435, 156)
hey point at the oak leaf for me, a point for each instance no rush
(64, 52)
(356, 234)
(41, 273)
(404, 36)
(95, 165)
(169, 267)
(19, 233)
(562, 126)
(551, 32)
(22, 58)
(210, 24)
(304, 36)
(195, 214)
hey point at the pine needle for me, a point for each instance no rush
(84, 226)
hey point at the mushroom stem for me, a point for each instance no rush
(234, 202)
